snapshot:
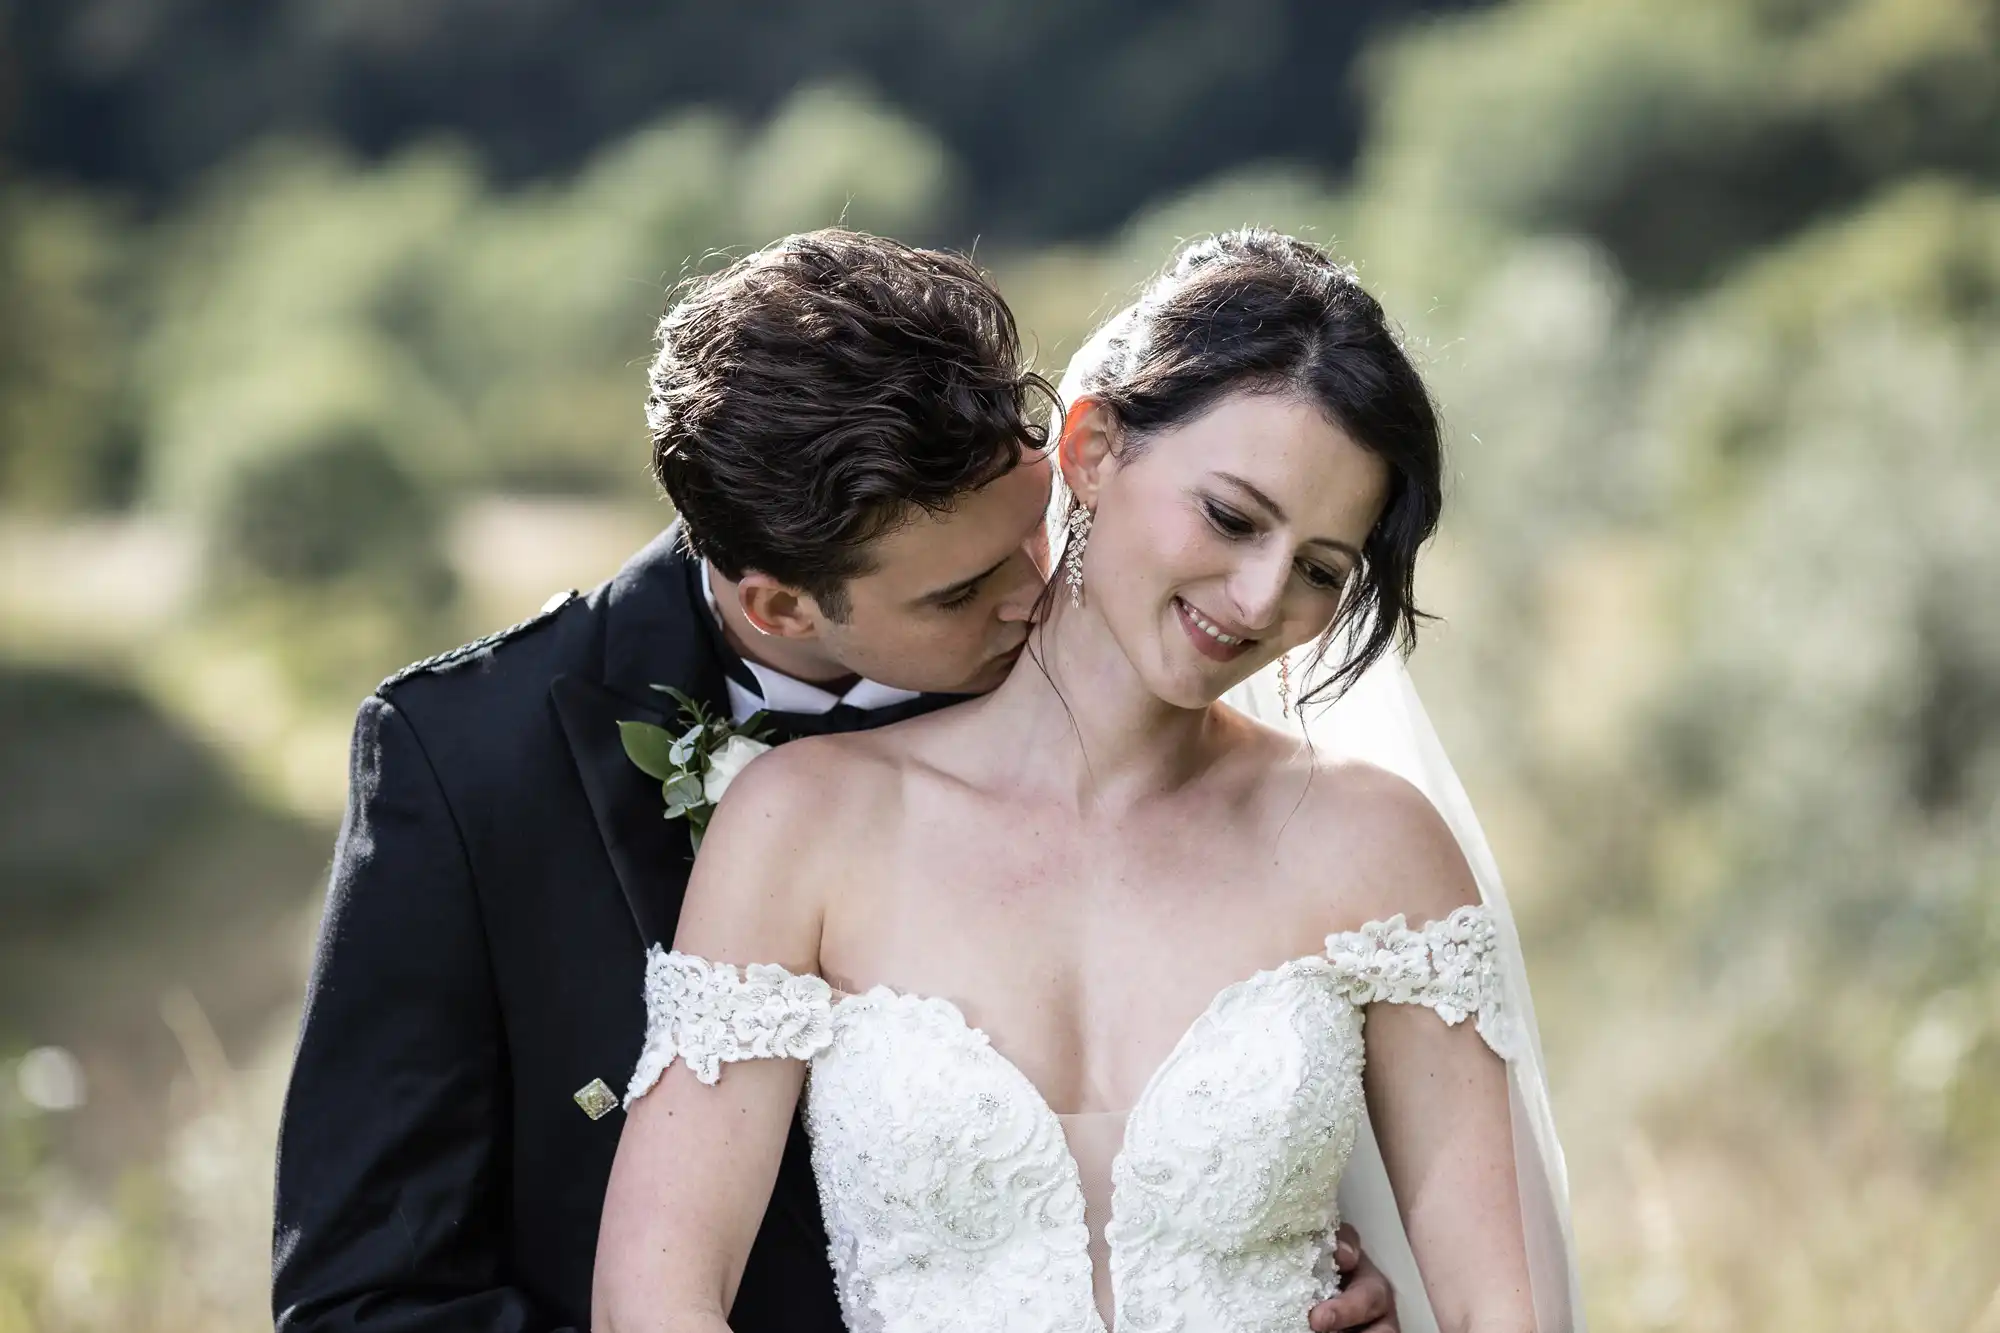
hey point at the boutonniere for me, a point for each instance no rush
(695, 765)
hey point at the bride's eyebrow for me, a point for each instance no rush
(1277, 513)
(1263, 501)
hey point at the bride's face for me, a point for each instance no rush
(1221, 543)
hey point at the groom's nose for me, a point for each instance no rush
(1024, 588)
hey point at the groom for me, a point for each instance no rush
(845, 427)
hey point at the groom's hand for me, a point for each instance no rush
(1366, 1303)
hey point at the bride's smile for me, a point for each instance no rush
(1208, 637)
(1220, 544)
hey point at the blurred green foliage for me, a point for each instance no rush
(1132, 97)
(486, 338)
(67, 437)
(313, 359)
(1681, 136)
(68, 735)
(1710, 294)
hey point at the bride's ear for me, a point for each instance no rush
(1086, 449)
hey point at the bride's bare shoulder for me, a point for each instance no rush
(1375, 841)
(831, 797)
(789, 836)
(824, 782)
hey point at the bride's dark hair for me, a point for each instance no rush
(1256, 311)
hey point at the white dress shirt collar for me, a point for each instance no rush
(787, 694)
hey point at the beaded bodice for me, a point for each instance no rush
(952, 1200)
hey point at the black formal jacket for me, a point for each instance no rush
(500, 873)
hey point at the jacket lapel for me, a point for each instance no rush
(649, 854)
(657, 631)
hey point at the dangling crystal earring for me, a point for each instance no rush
(1079, 537)
(1285, 684)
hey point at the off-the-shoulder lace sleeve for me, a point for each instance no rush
(1451, 965)
(705, 1013)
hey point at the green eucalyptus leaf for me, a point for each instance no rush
(686, 746)
(682, 789)
(650, 748)
(695, 741)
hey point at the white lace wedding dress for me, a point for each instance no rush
(956, 1199)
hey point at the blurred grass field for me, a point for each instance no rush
(1710, 296)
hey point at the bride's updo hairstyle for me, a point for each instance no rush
(1255, 311)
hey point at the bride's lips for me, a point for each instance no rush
(1205, 643)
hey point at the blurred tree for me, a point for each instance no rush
(833, 154)
(335, 505)
(1840, 714)
(1067, 117)
(278, 292)
(1680, 136)
(492, 338)
(98, 784)
(68, 438)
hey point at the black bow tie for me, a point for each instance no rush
(790, 726)
(846, 717)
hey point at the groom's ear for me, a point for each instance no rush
(1089, 435)
(778, 609)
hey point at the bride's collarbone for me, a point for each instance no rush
(1084, 957)
(1086, 1006)
(1120, 904)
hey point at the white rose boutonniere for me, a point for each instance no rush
(696, 764)
(726, 763)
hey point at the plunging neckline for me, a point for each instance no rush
(979, 1038)
(881, 991)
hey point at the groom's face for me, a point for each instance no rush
(947, 604)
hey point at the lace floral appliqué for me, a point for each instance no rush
(705, 1014)
(951, 1198)
(1451, 966)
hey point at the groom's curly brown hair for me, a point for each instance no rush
(807, 396)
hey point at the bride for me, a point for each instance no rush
(1116, 997)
